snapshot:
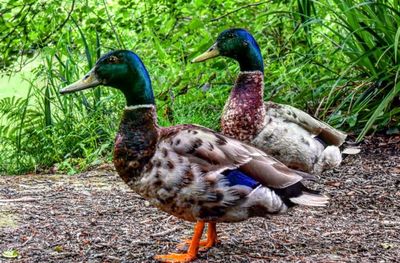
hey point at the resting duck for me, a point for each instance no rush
(189, 171)
(289, 134)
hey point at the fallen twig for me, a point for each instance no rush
(22, 199)
(165, 232)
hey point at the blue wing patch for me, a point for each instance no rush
(236, 177)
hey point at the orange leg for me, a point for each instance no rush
(192, 251)
(211, 240)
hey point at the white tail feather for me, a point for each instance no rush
(351, 150)
(310, 200)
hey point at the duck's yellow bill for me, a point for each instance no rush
(212, 52)
(88, 81)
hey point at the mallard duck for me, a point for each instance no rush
(289, 134)
(190, 171)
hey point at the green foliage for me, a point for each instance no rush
(34, 142)
(44, 128)
(330, 58)
(368, 33)
(27, 25)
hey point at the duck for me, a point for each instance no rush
(290, 135)
(190, 171)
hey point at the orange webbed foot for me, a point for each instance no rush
(192, 251)
(181, 258)
(184, 245)
(207, 244)
(204, 245)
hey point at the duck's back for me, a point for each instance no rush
(197, 174)
(289, 134)
(288, 142)
(188, 177)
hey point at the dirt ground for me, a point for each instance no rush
(94, 217)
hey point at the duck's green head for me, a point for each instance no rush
(121, 69)
(238, 44)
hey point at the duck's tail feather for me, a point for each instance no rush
(351, 150)
(298, 194)
(310, 199)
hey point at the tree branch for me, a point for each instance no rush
(59, 27)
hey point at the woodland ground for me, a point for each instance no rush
(94, 217)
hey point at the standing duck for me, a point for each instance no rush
(289, 134)
(189, 171)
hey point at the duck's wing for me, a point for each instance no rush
(325, 132)
(213, 152)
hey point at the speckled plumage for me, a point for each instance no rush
(135, 142)
(243, 116)
(180, 170)
(285, 132)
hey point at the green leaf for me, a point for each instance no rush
(12, 253)
(58, 248)
(379, 110)
(352, 120)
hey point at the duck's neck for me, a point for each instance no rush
(244, 113)
(136, 141)
(136, 85)
(251, 60)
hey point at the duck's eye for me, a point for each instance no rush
(113, 59)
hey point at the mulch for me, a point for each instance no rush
(94, 217)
